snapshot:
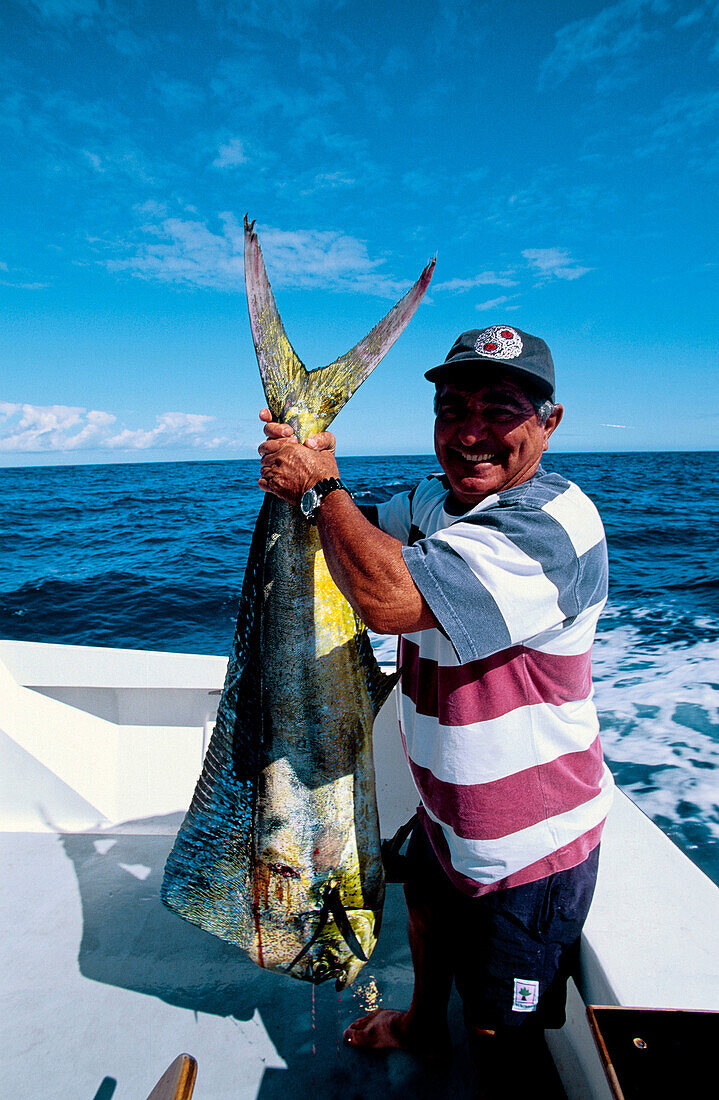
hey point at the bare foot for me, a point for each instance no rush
(387, 1029)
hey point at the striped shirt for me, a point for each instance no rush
(496, 710)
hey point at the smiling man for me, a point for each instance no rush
(494, 574)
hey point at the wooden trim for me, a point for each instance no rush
(604, 1053)
(178, 1080)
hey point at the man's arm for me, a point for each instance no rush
(365, 563)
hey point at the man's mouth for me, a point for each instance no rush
(474, 458)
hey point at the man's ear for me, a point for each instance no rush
(553, 421)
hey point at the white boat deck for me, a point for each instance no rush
(103, 987)
(106, 987)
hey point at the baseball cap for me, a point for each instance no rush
(504, 347)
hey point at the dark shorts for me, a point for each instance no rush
(512, 950)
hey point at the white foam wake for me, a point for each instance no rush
(659, 710)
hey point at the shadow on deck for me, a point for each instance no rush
(129, 940)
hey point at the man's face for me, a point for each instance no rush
(489, 438)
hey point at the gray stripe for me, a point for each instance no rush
(542, 537)
(536, 492)
(593, 576)
(545, 488)
(466, 611)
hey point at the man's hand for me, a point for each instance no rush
(289, 468)
(365, 563)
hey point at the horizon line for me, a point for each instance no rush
(374, 455)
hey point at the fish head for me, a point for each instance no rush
(302, 928)
(330, 957)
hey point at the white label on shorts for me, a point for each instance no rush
(526, 995)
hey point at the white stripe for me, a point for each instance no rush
(526, 598)
(429, 508)
(561, 640)
(489, 861)
(485, 751)
(579, 518)
(572, 640)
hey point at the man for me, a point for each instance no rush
(494, 575)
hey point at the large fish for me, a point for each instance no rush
(279, 852)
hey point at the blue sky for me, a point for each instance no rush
(561, 159)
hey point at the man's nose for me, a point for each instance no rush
(472, 429)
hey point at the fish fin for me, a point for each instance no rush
(310, 400)
(332, 906)
(379, 684)
(333, 900)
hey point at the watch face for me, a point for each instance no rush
(309, 502)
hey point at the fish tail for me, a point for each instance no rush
(310, 400)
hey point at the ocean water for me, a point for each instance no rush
(151, 556)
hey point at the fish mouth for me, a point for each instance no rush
(324, 968)
(332, 962)
(339, 945)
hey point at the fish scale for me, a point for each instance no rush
(279, 852)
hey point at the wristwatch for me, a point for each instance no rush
(312, 498)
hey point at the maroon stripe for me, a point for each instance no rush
(571, 855)
(488, 811)
(481, 690)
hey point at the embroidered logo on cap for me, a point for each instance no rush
(526, 995)
(499, 342)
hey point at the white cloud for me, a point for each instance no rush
(315, 256)
(73, 136)
(170, 429)
(28, 428)
(93, 160)
(486, 278)
(690, 19)
(49, 427)
(617, 38)
(329, 181)
(494, 303)
(230, 154)
(553, 263)
(24, 286)
(290, 18)
(675, 122)
(186, 251)
(613, 32)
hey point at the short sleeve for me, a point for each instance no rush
(394, 516)
(497, 578)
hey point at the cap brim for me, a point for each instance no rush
(462, 364)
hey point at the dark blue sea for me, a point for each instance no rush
(151, 556)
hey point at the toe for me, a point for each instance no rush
(363, 1021)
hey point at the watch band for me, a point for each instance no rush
(322, 489)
